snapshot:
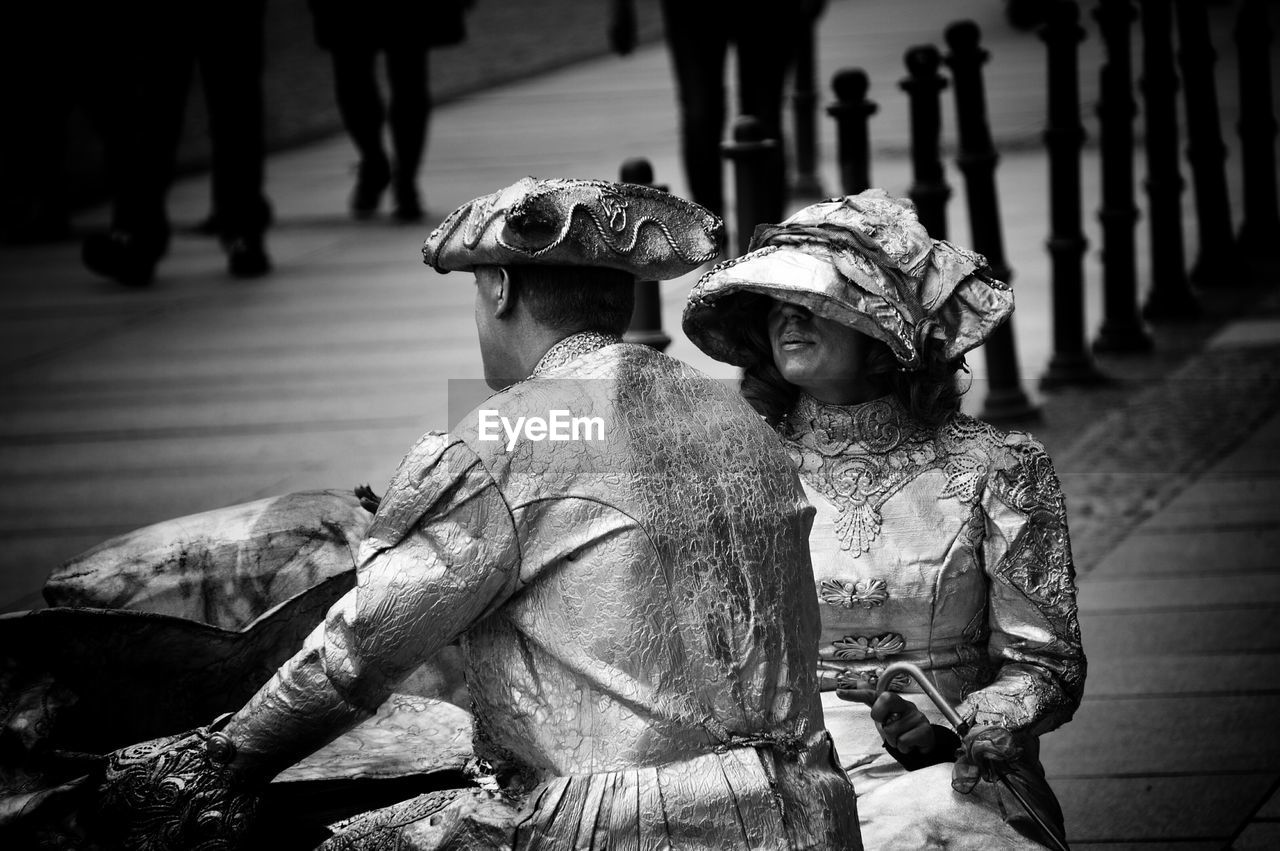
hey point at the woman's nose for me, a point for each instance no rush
(794, 313)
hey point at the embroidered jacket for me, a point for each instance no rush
(947, 548)
(635, 613)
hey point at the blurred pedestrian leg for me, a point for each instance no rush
(402, 32)
(226, 40)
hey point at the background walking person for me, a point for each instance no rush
(403, 31)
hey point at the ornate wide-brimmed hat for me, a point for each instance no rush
(864, 261)
(649, 233)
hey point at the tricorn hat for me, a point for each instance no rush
(633, 228)
(864, 261)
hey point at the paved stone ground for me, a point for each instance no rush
(126, 407)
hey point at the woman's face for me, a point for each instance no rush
(823, 358)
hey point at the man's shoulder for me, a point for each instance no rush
(431, 468)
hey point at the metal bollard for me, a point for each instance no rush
(1122, 329)
(1005, 401)
(646, 317)
(1217, 262)
(1071, 363)
(852, 111)
(929, 189)
(804, 102)
(755, 167)
(1170, 296)
(1260, 231)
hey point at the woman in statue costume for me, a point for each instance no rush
(939, 540)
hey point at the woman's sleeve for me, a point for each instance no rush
(441, 553)
(1034, 640)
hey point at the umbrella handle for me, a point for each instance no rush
(948, 711)
(962, 727)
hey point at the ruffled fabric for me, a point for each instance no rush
(864, 261)
(639, 230)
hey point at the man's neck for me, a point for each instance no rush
(570, 347)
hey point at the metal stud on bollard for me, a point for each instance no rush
(758, 199)
(929, 189)
(1170, 296)
(1122, 329)
(804, 103)
(646, 317)
(1260, 231)
(1217, 262)
(1005, 400)
(852, 111)
(1071, 363)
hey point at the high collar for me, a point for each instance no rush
(879, 424)
(572, 347)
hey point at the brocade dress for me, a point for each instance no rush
(946, 548)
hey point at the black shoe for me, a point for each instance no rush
(123, 257)
(408, 204)
(210, 225)
(246, 256)
(372, 180)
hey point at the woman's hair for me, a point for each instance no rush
(930, 393)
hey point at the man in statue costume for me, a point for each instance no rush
(635, 606)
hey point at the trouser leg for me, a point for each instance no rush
(355, 84)
(409, 113)
(231, 65)
(698, 45)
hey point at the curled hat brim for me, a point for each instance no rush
(637, 229)
(713, 322)
(825, 283)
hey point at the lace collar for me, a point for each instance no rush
(880, 425)
(572, 347)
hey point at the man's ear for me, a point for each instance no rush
(505, 294)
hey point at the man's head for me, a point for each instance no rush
(521, 311)
(556, 257)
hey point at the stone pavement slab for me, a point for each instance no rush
(1199, 552)
(1154, 810)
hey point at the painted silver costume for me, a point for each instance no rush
(984, 601)
(634, 607)
(945, 547)
(636, 616)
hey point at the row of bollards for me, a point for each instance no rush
(1005, 401)
(1260, 231)
(1064, 137)
(1122, 329)
(1170, 296)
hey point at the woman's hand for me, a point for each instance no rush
(901, 723)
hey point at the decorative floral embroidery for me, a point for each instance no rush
(1010, 524)
(858, 456)
(860, 647)
(974, 668)
(868, 593)
(1044, 688)
(615, 206)
(1038, 562)
(571, 348)
(869, 678)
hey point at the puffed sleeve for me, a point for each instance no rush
(1034, 640)
(441, 553)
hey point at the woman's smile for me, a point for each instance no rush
(820, 356)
